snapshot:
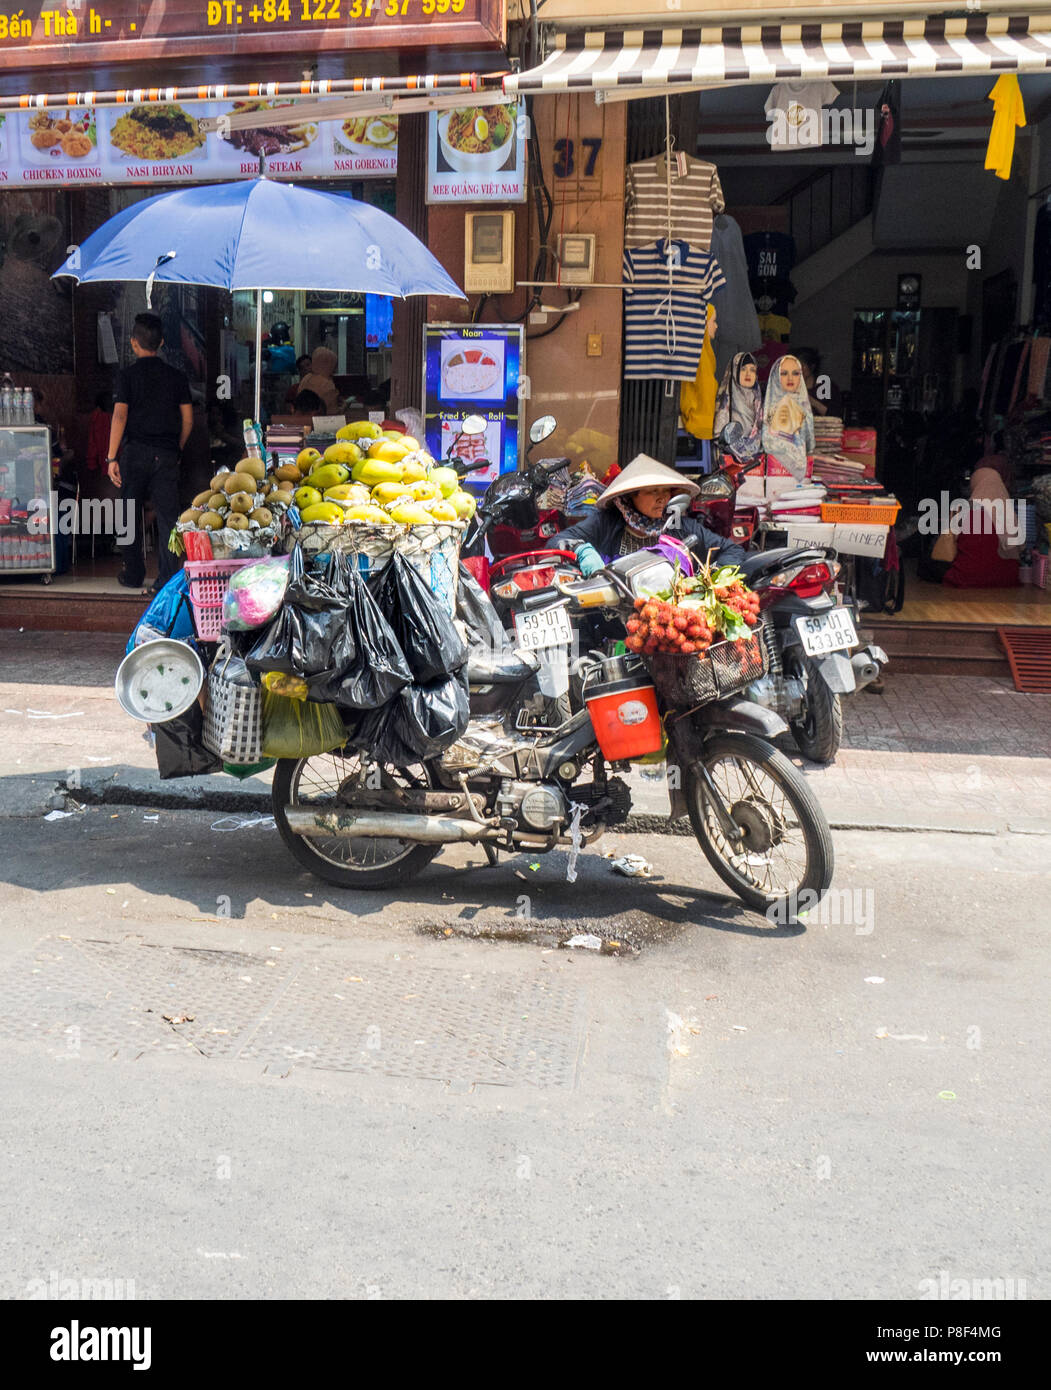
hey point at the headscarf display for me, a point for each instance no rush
(788, 422)
(739, 411)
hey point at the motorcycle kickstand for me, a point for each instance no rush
(490, 854)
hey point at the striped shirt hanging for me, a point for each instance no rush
(667, 289)
(695, 197)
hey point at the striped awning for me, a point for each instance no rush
(649, 61)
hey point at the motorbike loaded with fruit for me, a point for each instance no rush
(695, 643)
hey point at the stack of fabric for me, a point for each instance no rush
(831, 469)
(828, 434)
(798, 502)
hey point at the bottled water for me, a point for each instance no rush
(28, 406)
(7, 400)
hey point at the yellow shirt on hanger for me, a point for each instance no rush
(1008, 113)
(697, 397)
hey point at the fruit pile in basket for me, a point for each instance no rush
(368, 476)
(684, 620)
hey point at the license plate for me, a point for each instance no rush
(544, 627)
(829, 632)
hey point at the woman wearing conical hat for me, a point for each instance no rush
(631, 514)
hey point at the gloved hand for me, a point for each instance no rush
(590, 560)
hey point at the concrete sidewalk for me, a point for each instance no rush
(965, 754)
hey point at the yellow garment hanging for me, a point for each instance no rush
(697, 397)
(1009, 112)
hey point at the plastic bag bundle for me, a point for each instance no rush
(432, 646)
(299, 728)
(419, 723)
(179, 746)
(255, 594)
(377, 669)
(168, 615)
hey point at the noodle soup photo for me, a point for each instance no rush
(477, 154)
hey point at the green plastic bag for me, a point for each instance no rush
(299, 728)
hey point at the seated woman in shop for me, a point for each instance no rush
(989, 537)
(319, 380)
(631, 514)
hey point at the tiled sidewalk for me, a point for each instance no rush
(943, 749)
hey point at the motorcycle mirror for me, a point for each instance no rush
(473, 424)
(540, 429)
(675, 511)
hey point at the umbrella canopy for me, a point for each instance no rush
(260, 235)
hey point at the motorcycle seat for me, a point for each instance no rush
(758, 561)
(500, 668)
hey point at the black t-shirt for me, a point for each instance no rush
(153, 392)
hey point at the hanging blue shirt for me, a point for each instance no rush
(667, 289)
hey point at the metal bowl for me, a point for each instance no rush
(159, 680)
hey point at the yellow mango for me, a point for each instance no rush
(464, 504)
(330, 512)
(342, 492)
(413, 471)
(447, 479)
(372, 471)
(385, 493)
(328, 475)
(359, 429)
(443, 511)
(307, 497)
(388, 451)
(425, 491)
(344, 451)
(411, 514)
(371, 513)
(306, 459)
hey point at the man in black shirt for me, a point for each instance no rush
(152, 417)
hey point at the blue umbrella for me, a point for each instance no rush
(260, 235)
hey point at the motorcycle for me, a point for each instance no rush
(814, 662)
(509, 519)
(357, 824)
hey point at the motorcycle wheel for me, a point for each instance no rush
(819, 732)
(366, 862)
(787, 845)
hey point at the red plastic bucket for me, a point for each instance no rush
(625, 717)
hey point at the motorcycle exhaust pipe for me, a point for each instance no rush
(433, 830)
(866, 669)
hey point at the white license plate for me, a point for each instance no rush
(544, 627)
(829, 632)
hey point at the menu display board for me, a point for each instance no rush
(161, 144)
(474, 370)
(476, 154)
(57, 33)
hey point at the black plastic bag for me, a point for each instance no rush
(180, 749)
(419, 723)
(272, 649)
(378, 669)
(432, 646)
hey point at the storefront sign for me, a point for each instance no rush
(474, 370)
(476, 154)
(161, 145)
(56, 33)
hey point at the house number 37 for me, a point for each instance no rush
(565, 157)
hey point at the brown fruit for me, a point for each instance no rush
(237, 521)
(210, 521)
(263, 515)
(255, 468)
(239, 482)
(242, 502)
(217, 501)
(192, 514)
(202, 499)
(288, 472)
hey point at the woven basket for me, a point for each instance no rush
(434, 551)
(233, 718)
(726, 668)
(209, 581)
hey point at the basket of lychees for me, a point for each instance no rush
(702, 638)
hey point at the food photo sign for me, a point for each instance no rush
(476, 154)
(162, 144)
(474, 370)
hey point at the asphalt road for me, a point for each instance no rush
(422, 1095)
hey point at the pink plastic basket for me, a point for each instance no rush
(209, 581)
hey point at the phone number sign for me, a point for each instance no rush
(48, 33)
